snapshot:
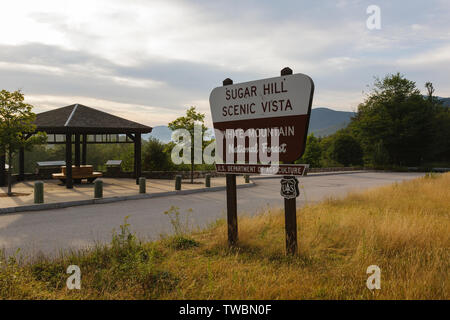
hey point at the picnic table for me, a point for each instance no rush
(78, 174)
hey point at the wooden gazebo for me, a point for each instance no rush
(81, 125)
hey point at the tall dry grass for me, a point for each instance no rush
(402, 228)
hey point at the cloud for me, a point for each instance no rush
(159, 57)
(437, 57)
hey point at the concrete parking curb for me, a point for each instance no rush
(59, 205)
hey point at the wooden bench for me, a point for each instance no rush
(78, 173)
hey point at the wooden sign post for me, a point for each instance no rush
(277, 107)
(231, 199)
(290, 207)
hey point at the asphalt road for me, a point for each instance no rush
(53, 230)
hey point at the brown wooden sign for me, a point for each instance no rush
(279, 106)
(245, 115)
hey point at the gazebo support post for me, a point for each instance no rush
(77, 150)
(2, 170)
(137, 157)
(84, 156)
(69, 181)
(21, 164)
(21, 176)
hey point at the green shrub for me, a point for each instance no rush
(180, 243)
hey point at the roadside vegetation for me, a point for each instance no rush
(394, 128)
(402, 228)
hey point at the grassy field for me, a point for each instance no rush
(402, 228)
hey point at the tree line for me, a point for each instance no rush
(395, 126)
(155, 156)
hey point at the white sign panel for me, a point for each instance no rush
(274, 97)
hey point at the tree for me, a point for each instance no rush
(313, 152)
(345, 149)
(430, 91)
(395, 118)
(16, 122)
(156, 156)
(189, 122)
(440, 144)
(441, 140)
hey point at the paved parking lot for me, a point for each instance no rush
(79, 227)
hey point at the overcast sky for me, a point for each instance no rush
(150, 60)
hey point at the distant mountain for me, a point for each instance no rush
(323, 122)
(445, 101)
(326, 121)
(162, 133)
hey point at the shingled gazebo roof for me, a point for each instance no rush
(78, 118)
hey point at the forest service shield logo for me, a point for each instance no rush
(289, 188)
